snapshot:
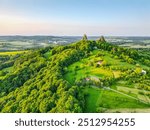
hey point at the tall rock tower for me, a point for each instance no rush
(101, 39)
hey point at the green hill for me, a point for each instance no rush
(87, 76)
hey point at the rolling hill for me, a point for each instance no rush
(86, 76)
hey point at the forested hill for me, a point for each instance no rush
(36, 80)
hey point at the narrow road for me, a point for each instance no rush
(108, 88)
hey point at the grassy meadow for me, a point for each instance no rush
(100, 99)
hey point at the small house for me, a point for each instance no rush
(99, 62)
(143, 72)
(87, 79)
(95, 47)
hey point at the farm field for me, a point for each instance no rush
(11, 43)
(8, 53)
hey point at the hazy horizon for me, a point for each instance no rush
(13, 35)
(75, 18)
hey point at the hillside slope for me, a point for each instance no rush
(87, 76)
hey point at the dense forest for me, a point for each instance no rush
(51, 80)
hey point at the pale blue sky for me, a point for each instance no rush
(75, 17)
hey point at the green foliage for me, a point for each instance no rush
(52, 79)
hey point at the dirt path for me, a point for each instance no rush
(126, 95)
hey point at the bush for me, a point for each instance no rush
(140, 92)
(2, 73)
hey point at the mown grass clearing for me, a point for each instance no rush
(91, 99)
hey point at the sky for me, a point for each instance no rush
(75, 17)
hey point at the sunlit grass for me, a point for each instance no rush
(12, 53)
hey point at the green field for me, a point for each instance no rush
(9, 53)
(92, 96)
(99, 99)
